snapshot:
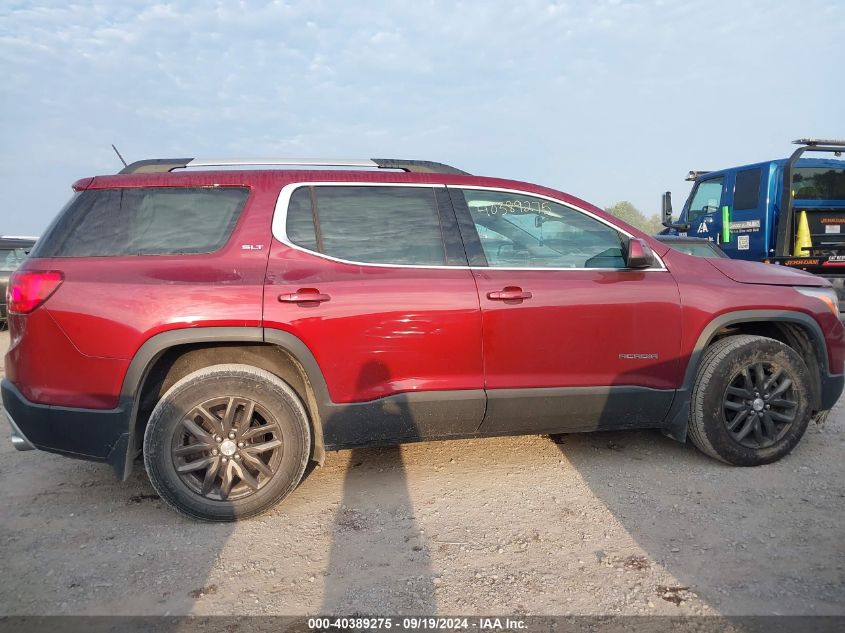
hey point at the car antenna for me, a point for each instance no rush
(118, 155)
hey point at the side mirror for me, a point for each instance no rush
(667, 208)
(639, 255)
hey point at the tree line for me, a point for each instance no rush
(627, 212)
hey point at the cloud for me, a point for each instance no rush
(609, 99)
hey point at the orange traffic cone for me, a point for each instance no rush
(803, 241)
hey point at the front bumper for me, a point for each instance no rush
(92, 434)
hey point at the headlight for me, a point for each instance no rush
(827, 295)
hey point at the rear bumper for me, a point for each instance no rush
(91, 434)
(19, 440)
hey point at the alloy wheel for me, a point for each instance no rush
(227, 448)
(759, 405)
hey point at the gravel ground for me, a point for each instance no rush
(607, 523)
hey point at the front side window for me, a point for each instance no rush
(706, 199)
(522, 231)
(368, 224)
(144, 221)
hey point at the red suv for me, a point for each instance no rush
(234, 324)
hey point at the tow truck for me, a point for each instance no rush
(751, 215)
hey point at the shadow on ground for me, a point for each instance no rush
(83, 542)
(733, 536)
(379, 561)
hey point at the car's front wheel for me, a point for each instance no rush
(227, 442)
(751, 401)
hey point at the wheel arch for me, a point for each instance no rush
(166, 357)
(796, 329)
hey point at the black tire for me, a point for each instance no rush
(772, 429)
(185, 429)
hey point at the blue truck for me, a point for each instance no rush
(749, 213)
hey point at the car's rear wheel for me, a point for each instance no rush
(227, 442)
(751, 401)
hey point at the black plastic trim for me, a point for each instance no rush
(831, 384)
(403, 417)
(455, 253)
(831, 390)
(418, 166)
(156, 345)
(469, 234)
(575, 409)
(155, 165)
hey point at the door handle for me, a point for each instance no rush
(304, 295)
(510, 293)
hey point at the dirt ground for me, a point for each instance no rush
(608, 523)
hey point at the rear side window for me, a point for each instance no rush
(747, 189)
(144, 221)
(376, 225)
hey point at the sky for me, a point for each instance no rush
(608, 100)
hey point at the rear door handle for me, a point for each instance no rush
(304, 295)
(509, 293)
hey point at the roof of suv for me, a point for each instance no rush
(186, 172)
(264, 174)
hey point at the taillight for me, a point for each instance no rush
(28, 289)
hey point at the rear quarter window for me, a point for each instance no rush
(144, 221)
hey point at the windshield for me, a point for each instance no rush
(818, 183)
(706, 199)
(11, 258)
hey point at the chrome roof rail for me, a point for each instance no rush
(162, 165)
